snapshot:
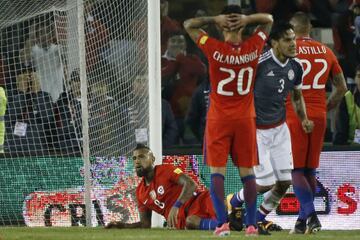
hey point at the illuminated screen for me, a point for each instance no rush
(59, 201)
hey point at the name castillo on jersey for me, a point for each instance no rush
(312, 50)
(235, 59)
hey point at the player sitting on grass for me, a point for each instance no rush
(166, 190)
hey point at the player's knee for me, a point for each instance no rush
(282, 186)
(263, 188)
(192, 222)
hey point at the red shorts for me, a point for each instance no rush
(201, 206)
(306, 148)
(237, 137)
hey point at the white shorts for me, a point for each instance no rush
(275, 155)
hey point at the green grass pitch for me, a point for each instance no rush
(77, 233)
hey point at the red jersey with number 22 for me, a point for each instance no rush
(232, 70)
(319, 63)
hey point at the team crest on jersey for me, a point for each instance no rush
(152, 194)
(160, 190)
(291, 74)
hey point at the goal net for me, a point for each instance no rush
(42, 168)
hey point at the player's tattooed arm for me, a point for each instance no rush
(189, 187)
(193, 26)
(298, 102)
(145, 222)
(264, 20)
(334, 99)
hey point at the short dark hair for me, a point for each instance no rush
(279, 29)
(141, 146)
(232, 8)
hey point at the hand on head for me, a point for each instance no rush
(231, 22)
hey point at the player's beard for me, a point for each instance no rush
(141, 172)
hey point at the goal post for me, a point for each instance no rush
(84, 87)
(155, 129)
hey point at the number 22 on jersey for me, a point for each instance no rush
(239, 77)
(317, 76)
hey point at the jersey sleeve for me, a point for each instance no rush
(171, 173)
(299, 71)
(206, 44)
(258, 38)
(335, 66)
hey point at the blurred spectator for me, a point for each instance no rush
(343, 35)
(33, 106)
(180, 73)
(96, 37)
(169, 127)
(168, 25)
(43, 53)
(282, 10)
(356, 12)
(108, 122)
(196, 117)
(68, 116)
(347, 123)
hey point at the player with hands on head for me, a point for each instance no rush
(230, 126)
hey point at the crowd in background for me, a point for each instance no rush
(187, 87)
(31, 58)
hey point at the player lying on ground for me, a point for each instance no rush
(166, 190)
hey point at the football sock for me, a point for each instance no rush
(208, 224)
(250, 196)
(302, 215)
(238, 199)
(270, 202)
(303, 192)
(310, 175)
(217, 196)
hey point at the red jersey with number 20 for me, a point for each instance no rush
(319, 63)
(161, 194)
(232, 70)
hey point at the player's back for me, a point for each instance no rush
(319, 64)
(232, 71)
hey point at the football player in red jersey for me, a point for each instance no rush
(230, 126)
(166, 190)
(319, 64)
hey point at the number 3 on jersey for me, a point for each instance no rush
(317, 76)
(240, 81)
